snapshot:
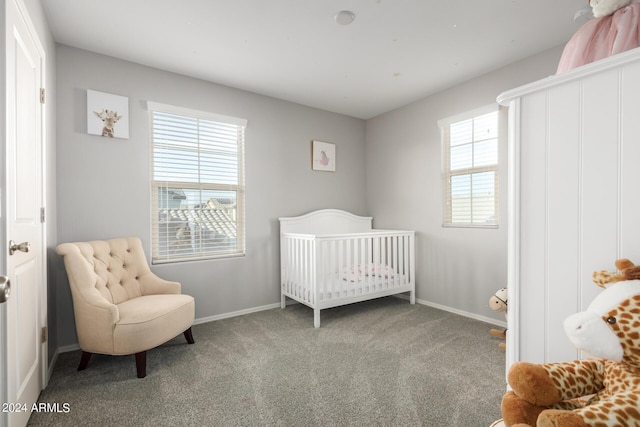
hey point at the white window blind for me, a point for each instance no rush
(470, 146)
(197, 184)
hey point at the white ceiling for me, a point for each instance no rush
(394, 53)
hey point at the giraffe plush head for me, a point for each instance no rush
(610, 327)
(602, 390)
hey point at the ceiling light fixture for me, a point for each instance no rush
(345, 17)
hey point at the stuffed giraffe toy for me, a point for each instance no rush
(600, 392)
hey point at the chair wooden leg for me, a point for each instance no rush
(84, 360)
(141, 364)
(189, 336)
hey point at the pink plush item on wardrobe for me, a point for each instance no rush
(615, 29)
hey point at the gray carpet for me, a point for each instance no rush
(378, 363)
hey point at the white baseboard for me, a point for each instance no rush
(502, 324)
(54, 359)
(235, 313)
(68, 348)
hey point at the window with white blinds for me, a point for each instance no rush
(197, 184)
(470, 146)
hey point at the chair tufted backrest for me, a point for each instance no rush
(113, 267)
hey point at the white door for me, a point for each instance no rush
(25, 309)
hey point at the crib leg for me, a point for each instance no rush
(316, 318)
(412, 297)
(283, 302)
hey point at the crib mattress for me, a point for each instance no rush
(346, 288)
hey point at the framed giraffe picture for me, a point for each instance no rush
(323, 156)
(107, 115)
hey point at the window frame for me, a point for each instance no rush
(199, 186)
(447, 173)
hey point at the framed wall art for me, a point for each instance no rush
(323, 156)
(107, 115)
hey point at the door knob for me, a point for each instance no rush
(22, 247)
(5, 288)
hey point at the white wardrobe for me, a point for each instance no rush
(574, 195)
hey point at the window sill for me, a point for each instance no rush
(487, 226)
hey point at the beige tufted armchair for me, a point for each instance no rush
(120, 306)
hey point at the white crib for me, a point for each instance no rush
(331, 257)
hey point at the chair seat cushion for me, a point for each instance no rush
(150, 320)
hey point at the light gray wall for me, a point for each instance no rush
(457, 268)
(395, 176)
(104, 184)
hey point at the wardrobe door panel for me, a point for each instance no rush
(600, 176)
(630, 163)
(563, 198)
(532, 274)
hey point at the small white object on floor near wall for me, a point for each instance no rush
(498, 423)
(498, 303)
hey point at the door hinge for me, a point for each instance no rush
(42, 215)
(42, 95)
(43, 335)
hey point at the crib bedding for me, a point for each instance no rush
(331, 258)
(357, 273)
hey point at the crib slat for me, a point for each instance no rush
(396, 263)
(401, 261)
(325, 284)
(361, 263)
(333, 272)
(298, 267)
(376, 259)
(342, 261)
(387, 260)
(288, 265)
(321, 271)
(304, 266)
(308, 271)
(407, 259)
(349, 262)
(313, 271)
(393, 262)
